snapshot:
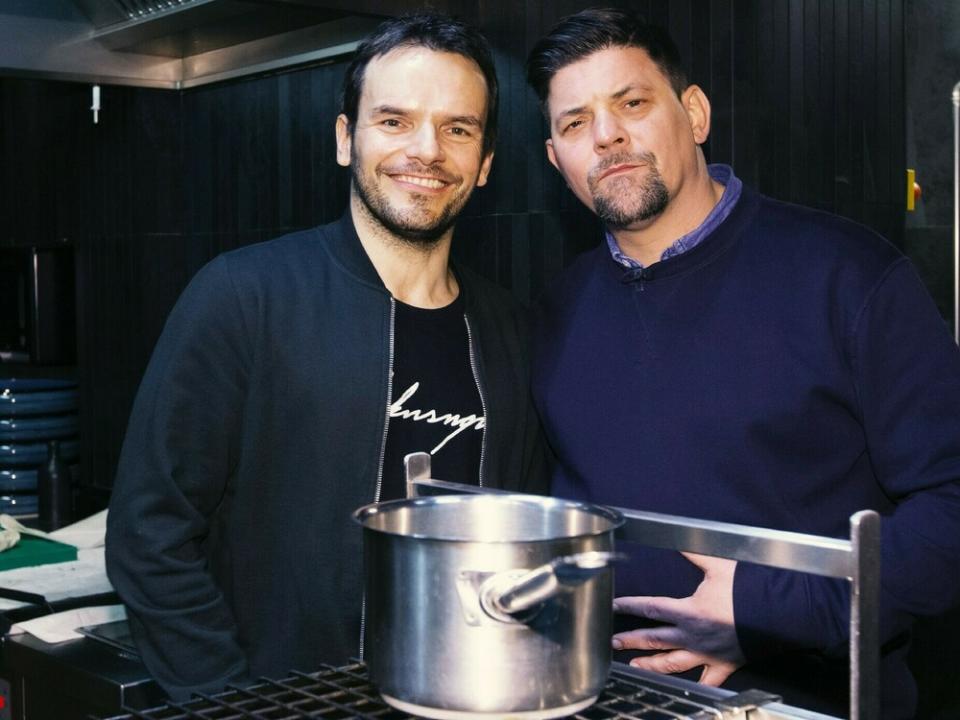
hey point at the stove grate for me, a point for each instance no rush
(345, 693)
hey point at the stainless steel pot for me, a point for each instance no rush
(488, 604)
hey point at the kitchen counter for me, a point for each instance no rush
(77, 678)
(73, 680)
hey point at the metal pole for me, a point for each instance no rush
(865, 616)
(956, 212)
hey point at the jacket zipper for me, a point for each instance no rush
(386, 418)
(483, 402)
(383, 446)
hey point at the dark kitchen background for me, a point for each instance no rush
(820, 102)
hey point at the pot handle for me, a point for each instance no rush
(504, 594)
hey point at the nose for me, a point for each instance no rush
(425, 145)
(608, 131)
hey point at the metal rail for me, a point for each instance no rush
(856, 560)
(955, 96)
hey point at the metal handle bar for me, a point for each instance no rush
(856, 560)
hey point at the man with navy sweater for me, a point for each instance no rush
(726, 356)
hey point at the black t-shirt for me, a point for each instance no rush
(436, 406)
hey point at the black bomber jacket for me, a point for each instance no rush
(256, 432)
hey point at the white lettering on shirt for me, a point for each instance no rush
(431, 416)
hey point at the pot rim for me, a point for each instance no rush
(362, 514)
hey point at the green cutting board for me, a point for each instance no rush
(36, 551)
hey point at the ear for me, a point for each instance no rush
(485, 169)
(551, 155)
(344, 140)
(697, 107)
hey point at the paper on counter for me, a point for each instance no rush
(86, 533)
(62, 626)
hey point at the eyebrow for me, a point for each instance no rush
(626, 90)
(467, 120)
(634, 87)
(388, 110)
(472, 120)
(573, 111)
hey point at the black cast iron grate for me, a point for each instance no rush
(346, 693)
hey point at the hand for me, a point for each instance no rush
(701, 632)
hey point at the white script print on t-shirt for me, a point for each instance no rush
(454, 420)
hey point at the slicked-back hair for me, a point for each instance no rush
(588, 31)
(434, 32)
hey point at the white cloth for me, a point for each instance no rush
(8, 538)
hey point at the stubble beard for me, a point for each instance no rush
(414, 226)
(625, 201)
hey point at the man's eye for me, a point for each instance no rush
(391, 122)
(460, 131)
(635, 103)
(573, 125)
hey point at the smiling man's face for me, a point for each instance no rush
(620, 136)
(416, 153)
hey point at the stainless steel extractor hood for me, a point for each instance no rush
(178, 43)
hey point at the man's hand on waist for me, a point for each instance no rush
(699, 629)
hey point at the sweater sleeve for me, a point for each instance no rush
(906, 371)
(177, 458)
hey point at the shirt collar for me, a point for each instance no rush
(732, 186)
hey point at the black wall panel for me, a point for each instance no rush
(807, 105)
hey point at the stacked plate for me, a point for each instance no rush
(33, 411)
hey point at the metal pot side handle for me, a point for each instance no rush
(504, 596)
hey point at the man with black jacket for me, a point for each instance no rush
(293, 376)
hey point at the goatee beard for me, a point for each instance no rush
(626, 201)
(402, 225)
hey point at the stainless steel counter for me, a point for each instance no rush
(346, 692)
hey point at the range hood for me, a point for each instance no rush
(178, 43)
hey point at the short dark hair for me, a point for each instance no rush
(588, 31)
(435, 32)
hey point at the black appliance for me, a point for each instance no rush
(72, 680)
(37, 305)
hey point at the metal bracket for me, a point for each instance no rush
(856, 560)
(416, 466)
(744, 702)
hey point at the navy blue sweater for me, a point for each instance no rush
(785, 373)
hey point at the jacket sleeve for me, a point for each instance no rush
(536, 458)
(177, 459)
(906, 370)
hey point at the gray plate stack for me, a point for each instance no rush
(33, 411)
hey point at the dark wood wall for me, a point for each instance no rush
(808, 106)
